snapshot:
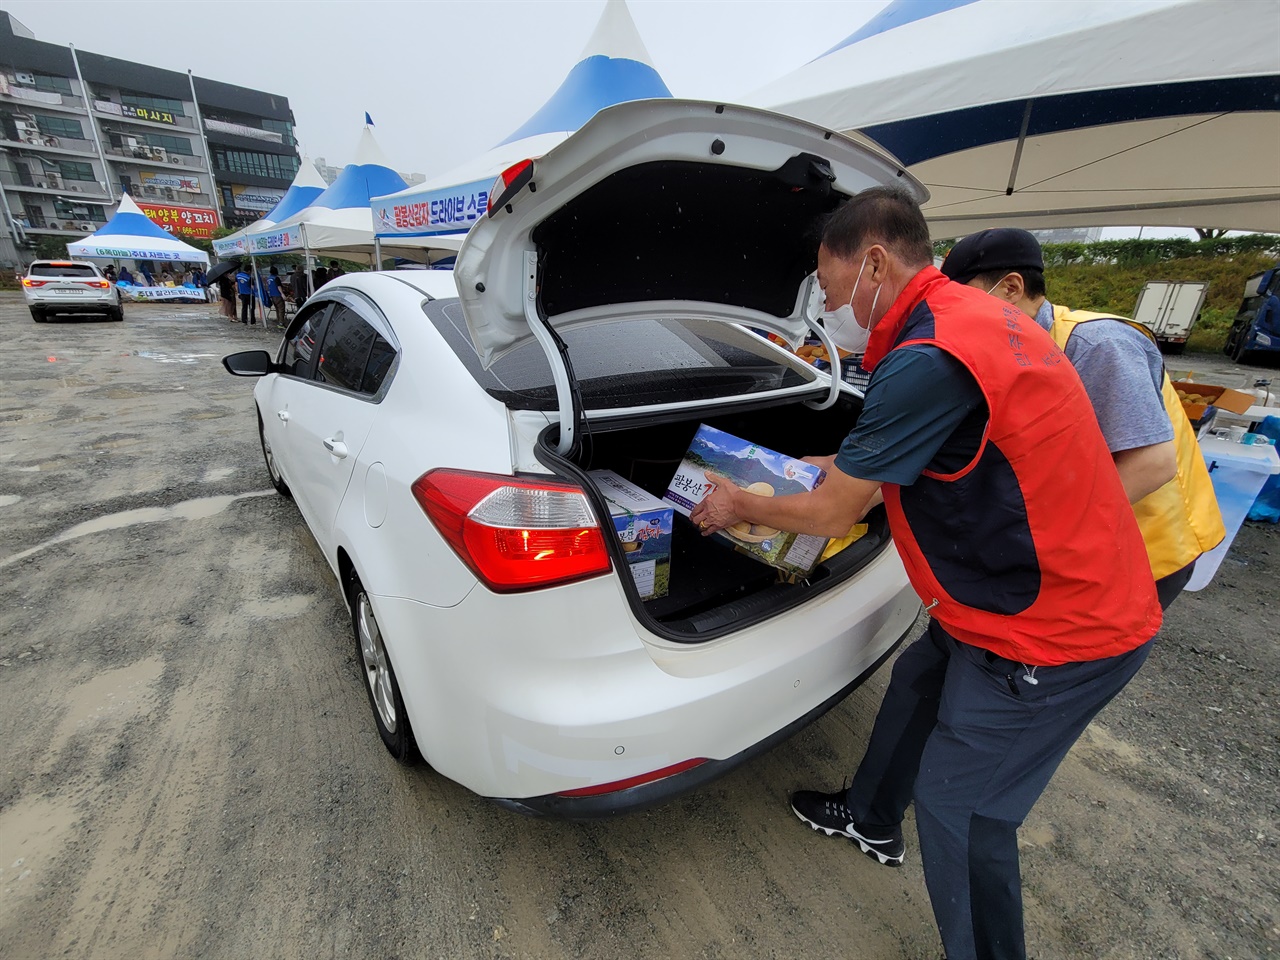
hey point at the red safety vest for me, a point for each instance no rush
(1032, 550)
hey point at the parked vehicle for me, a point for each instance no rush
(437, 437)
(1255, 332)
(69, 286)
(1169, 309)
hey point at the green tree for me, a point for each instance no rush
(51, 248)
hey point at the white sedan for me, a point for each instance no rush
(436, 430)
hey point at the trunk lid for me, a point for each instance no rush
(661, 208)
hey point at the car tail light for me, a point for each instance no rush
(650, 777)
(100, 284)
(28, 282)
(509, 181)
(514, 534)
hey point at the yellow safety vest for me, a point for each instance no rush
(1181, 520)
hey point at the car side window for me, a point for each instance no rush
(347, 350)
(300, 342)
(379, 364)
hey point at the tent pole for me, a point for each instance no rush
(1017, 153)
(257, 288)
(306, 253)
(377, 253)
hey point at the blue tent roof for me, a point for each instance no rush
(896, 14)
(614, 68)
(593, 84)
(130, 221)
(366, 176)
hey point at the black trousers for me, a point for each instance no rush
(246, 307)
(1168, 588)
(974, 740)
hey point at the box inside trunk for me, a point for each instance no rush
(713, 587)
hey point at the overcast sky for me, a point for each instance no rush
(443, 80)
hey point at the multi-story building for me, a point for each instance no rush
(78, 128)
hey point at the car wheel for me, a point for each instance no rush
(273, 470)
(1238, 352)
(38, 315)
(116, 313)
(380, 677)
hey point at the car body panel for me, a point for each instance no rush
(541, 708)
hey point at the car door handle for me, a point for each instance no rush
(336, 447)
(283, 415)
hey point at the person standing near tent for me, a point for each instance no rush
(1014, 529)
(1150, 438)
(276, 294)
(335, 271)
(110, 272)
(126, 276)
(244, 287)
(318, 277)
(298, 285)
(227, 296)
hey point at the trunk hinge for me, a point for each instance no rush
(557, 356)
(833, 354)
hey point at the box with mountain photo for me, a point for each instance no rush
(758, 470)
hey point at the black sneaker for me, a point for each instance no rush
(827, 812)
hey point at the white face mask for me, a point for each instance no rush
(992, 291)
(844, 327)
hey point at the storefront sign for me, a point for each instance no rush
(184, 221)
(146, 113)
(448, 210)
(255, 198)
(177, 181)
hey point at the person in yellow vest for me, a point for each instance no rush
(1150, 438)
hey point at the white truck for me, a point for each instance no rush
(1169, 309)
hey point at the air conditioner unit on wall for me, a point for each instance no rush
(22, 76)
(150, 191)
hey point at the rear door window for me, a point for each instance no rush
(71, 270)
(354, 356)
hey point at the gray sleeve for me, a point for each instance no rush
(1122, 373)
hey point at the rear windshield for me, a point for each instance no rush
(62, 270)
(627, 364)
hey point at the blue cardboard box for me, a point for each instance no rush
(643, 523)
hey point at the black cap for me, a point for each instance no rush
(1001, 248)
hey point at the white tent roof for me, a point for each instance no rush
(1063, 112)
(130, 235)
(307, 185)
(614, 67)
(340, 217)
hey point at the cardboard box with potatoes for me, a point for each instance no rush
(761, 471)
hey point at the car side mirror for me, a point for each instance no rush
(250, 363)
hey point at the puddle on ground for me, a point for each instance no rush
(112, 444)
(174, 357)
(214, 474)
(198, 509)
(9, 499)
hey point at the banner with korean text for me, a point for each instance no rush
(182, 221)
(443, 210)
(276, 241)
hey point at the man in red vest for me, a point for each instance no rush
(1016, 532)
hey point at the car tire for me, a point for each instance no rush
(116, 313)
(38, 315)
(1238, 352)
(273, 470)
(380, 682)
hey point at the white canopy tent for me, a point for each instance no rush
(1063, 112)
(614, 67)
(131, 235)
(307, 185)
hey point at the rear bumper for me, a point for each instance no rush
(634, 799)
(78, 305)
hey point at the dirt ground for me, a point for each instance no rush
(190, 768)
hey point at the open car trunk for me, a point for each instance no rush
(713, 588)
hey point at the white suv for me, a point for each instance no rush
(69, 286)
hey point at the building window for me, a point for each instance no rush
(51, 84)
(144, 102)
(60, 127)
(77, 211)
(172, 144)
(257, 164)
(282, 127)
(73, 170)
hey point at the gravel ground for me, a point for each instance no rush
(189, 768)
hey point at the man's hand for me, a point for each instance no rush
(829, 511)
